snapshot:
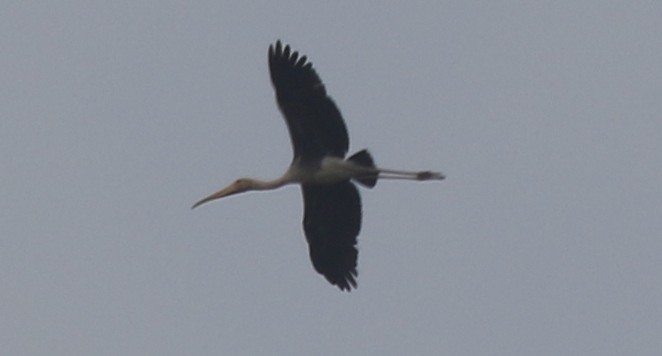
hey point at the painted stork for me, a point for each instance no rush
(332, 206)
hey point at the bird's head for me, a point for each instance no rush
(239, 186)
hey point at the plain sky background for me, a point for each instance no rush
(545, 239)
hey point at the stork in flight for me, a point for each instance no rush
(332, 206)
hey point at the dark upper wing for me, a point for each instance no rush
(331, 221)
(315, 124)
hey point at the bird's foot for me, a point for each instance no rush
(427, 175)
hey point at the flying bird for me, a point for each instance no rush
(332, 205)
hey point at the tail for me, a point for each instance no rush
(363, 159)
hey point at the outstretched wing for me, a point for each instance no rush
(331, 222)
(315, 124)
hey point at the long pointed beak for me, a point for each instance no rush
(229, 190)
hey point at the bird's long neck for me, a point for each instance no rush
(257, 184)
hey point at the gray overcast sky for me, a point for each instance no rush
(544, 240)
